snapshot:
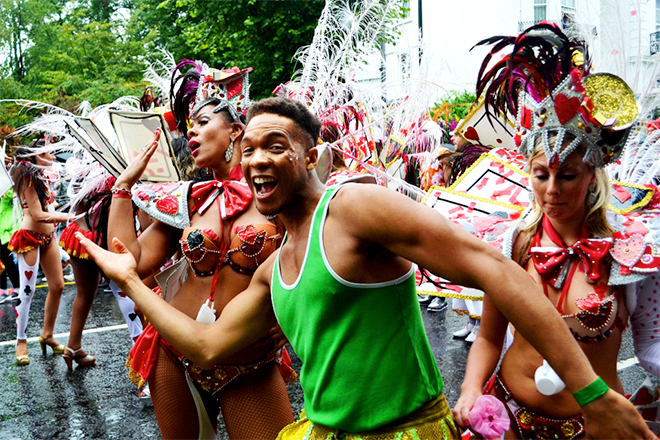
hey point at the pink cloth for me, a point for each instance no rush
(488, 417)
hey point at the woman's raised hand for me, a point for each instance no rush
(136, 168)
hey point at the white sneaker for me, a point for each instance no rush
(437, 305)
(465, 331)
(473, 334)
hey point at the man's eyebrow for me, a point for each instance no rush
(271, 135)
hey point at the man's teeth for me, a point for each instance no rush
(264, 184)
(262, 180)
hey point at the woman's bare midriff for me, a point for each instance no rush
(196, 290)
(32, 225)
(521, 359)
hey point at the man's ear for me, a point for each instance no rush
(312, 158)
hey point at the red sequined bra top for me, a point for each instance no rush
(598, 314)
(206, 251)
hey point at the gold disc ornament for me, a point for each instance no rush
(615, 107)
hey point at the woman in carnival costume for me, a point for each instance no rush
(90, 198)
(221, 238)
(598, 269)
(33, 243)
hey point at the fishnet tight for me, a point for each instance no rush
(254, 407)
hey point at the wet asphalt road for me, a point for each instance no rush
(45, 401)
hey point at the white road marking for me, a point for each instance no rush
(622, 365)
(61, 335)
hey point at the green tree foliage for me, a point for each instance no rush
(456, 104)
(64, 53)
(226, 33)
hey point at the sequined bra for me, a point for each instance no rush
(252, 244)
(598, 314)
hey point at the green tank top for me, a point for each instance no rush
(366, 360)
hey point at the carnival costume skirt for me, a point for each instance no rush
(24, 240)
(432, 421)
(71, 244)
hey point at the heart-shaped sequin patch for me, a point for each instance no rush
(566, 107)
(628, 252)
(168, 205)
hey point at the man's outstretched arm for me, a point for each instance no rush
(422, 235)
(244, 320)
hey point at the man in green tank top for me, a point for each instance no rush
(366, 371)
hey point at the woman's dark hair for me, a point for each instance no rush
(463, 160)
(186, 163)
(25, 172)
(97, 210)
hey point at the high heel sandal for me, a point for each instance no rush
(86, 360)
(23, 359)
(50, 341)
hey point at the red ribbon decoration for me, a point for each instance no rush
(237, 195)
(591, 252)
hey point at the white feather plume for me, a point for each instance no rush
(343, 33)
(159, 72)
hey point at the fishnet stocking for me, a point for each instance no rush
(256, 406)
(173, 404)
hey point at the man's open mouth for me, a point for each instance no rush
(264, 185)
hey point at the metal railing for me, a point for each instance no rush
(655, 42)
(522, 25)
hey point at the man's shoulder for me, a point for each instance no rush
(355, 196)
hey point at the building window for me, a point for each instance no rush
(404, 61)
(406, 8)
(568, 4)
(539, 10)
(657, 15)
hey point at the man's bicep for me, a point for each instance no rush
(422, 235)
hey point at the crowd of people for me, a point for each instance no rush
(287, 230)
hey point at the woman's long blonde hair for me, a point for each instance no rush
(596, 219)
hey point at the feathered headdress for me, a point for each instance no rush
(195, 88)
(546, 82)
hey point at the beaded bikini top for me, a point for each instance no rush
(598, 314)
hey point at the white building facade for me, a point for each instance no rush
(623, 32)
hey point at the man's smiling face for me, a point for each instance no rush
(273, 161)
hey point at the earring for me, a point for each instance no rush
(230, 151)
(591, 198)
(531, 196)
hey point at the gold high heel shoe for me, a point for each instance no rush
(50, 341)
(23, 359)
(86, 360)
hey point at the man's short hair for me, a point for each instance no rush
(292, 109)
